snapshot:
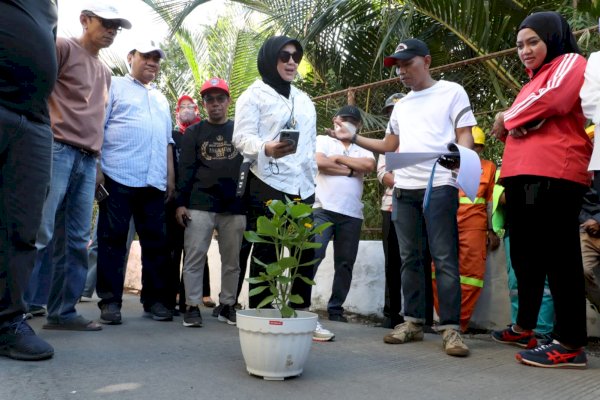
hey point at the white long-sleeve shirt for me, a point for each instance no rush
(260, 114)
(590, 91)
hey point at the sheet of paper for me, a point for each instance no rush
(469, 172)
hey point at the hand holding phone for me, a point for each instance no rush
(290, 136)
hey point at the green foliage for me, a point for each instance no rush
(289, 229)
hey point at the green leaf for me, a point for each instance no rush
(312, 245)
(268, 300)
(253, 237)
(277, 207)
(285, 280)
(257, 290)
(300, 210)
(288, 262)
(287, 311)
(262, 264)
(265, 227)
(319, 229)
(274, 269)
(257, 279)
(296, 299)
(307, 281)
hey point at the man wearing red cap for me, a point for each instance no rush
(186, 114)
(209, 167)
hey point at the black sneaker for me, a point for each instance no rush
(110, 314)
(192, 317)
(227, 314)
(159, 312)
(37, 311)
(19, 341)
(337, 318)
(217, 310)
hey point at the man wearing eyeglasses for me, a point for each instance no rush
(77, 110)
(209, 167)
(137, 166)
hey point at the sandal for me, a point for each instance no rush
(76, 324)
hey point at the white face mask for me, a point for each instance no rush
(348, 125)
(187, 115)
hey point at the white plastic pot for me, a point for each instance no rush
(273, 347)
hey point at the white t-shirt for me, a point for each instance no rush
(425, 122)
(340, 194)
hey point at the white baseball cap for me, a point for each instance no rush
(107, 10)
(148, 47)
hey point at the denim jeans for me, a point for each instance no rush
(66, 221)
(25, 163)
(434, 229)
(90, 281)
(346, 236)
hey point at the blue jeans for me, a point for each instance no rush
(434, 229)
(25, 163)
(90, 281)
(346, 236)
(66, 221)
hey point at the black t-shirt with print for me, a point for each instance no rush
(209, 167)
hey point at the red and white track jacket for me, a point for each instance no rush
(560, 148)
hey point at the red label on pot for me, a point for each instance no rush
(275, 322)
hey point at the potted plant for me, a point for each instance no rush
(276, 342)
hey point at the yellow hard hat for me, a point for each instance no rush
(478, 135)
(590, 131)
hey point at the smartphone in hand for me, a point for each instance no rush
(101, 193)
(291, 136)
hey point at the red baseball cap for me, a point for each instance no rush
(214, 83)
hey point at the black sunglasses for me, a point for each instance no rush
(284, 56)
(220, 98)
(109, 23)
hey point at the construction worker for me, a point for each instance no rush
(475, 234)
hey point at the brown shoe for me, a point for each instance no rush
(453, 343)
(404, 332)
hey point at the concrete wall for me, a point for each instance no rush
(366, 296)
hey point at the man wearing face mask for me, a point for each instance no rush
(342, 166)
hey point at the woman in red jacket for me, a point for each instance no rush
(544, 171)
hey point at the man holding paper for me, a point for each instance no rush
(433, 114)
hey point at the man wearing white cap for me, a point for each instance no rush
(137, 167)
(77, 108)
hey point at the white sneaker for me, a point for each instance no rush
(321, 334)
(453, 343)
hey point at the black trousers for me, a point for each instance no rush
(542, 216)
(148, 209)
(393, 279)
(25, 162)
(258, 193)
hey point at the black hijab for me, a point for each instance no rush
(555, 31)
(268, 59)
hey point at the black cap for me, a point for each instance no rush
(392, 100)
(406, 50)
(349, 111)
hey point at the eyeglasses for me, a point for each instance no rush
(284, 56)
(108, 23)
(221, 98)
